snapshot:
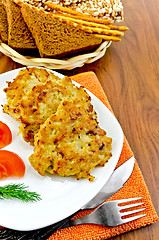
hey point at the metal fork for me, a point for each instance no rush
(109, 213)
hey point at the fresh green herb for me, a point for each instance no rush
(18, 191)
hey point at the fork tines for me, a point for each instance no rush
(128, 206)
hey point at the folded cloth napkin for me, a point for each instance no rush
(134, 187)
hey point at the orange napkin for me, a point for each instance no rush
(134, 187)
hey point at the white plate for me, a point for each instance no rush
(61, 196)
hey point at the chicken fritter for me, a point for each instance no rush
(42, 101)
(70, 142)
(21, 85)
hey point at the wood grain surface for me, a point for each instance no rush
(129, 74)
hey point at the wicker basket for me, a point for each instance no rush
(50, 63)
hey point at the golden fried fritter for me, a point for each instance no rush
(21, 85)
(70, 142)
(42, 101)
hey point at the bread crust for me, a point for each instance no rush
(3, 23)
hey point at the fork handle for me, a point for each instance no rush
(96, 217)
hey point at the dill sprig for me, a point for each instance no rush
(19, 191)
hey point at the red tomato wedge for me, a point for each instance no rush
(5, 135)
(11, 165)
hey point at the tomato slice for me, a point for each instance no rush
(5, 135)
(11, 165)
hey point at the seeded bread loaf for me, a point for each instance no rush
(19, 36)
(102, 9)
(53, 37)
(3, 23)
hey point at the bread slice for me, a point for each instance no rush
(53, 37)
(3, 23)
(71, 142)
(43, 100)
(21, 85)
(19, 36)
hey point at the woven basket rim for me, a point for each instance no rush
(66, 64)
